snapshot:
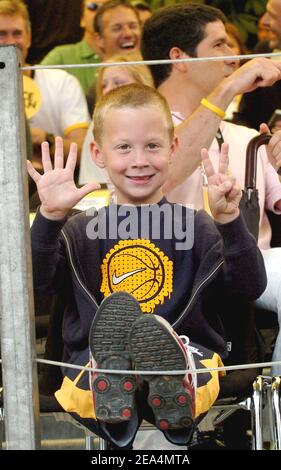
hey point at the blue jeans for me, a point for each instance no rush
(271, 298)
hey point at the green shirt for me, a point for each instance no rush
(78, 53)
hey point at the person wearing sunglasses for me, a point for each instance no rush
(85, 51)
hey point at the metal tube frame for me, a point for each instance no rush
(276, 412)
(256, 414)
(21, 398)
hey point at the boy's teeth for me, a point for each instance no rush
(141, 177)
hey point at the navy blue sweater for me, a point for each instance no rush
(190, 287)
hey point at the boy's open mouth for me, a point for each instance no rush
(140, 179)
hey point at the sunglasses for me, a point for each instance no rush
(92, 6)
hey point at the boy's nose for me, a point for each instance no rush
(140, 159)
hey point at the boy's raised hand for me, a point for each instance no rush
(56, 188)
(223, 191)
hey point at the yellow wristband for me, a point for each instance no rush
(218, 111)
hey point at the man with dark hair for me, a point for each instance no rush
(117, 28)
(198, 94)
(201, 91)
(176, 26)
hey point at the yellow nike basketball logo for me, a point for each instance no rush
(117, 279)
(140, 268)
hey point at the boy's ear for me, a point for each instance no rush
(174, 146)
(96, 154)
(177, 53)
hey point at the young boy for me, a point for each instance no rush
(154, 263)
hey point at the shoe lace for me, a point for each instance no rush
(190, 350)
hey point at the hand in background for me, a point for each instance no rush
(259, 72)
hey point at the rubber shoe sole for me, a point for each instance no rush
(108, 341)
(152, 347)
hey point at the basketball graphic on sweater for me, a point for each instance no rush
(140, 268)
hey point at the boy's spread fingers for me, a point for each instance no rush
(58, 159)
(32, 172)
(224, 160)
(88, 188)
(46, 160)
(72, 157)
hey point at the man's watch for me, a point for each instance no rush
(50, 138)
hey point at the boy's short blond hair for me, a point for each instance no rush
(15, 8)
(134, 95)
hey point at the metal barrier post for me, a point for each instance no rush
(21, 400)
(256, 411)
(276, 411)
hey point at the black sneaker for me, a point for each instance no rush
(113, 394)
(154, 346)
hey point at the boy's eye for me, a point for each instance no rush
(123, 147)
(152, 146)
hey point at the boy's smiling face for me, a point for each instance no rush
(136, 149)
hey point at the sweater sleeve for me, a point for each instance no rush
(50, 267)
(243, 271)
